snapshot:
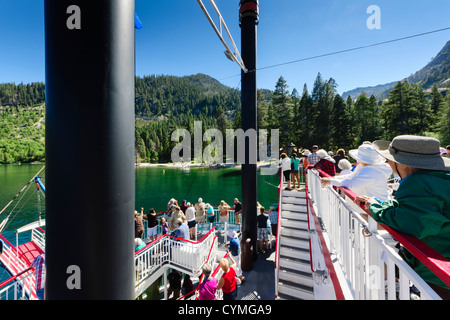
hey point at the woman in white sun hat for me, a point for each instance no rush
(370, 176)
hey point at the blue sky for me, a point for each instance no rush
(178, 40)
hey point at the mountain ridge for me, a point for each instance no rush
(437, 71)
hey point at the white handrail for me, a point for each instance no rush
(367, 261)
(15, 290)
(172, 252)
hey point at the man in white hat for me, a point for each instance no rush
(422, 201)
(370, 176)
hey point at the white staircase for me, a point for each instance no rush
(295, 279)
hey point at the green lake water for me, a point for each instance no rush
(155, 186)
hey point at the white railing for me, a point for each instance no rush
(171, 252)
(231, 220)
(367, 260)
(11, 257)
(13, 288)
(38, 237)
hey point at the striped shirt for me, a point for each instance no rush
(313, 158)
(273, 217)
(326, 166)
(39, 265)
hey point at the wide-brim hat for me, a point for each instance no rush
(414, 151)
(366, 154)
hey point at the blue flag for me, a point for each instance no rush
(137, 22)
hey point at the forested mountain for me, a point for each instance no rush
(183, 96)
(22, 124)
(437, 71)
(165, 103)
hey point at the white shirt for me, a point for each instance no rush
(344, 172)
(285, 164)
(370, 180)
(190, 214)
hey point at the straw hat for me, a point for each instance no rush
(414, 151)
(306, 152)
(366, 154)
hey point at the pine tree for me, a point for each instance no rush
(295, 121)
(222, 123)
(423, 113)
(436, 99)
(444, 122)
(396, 111)
(262, 111)
(306, 118)
(282, 110)
(322, 96)
(341, 123)
(366, 118)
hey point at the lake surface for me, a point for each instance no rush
(155, 186)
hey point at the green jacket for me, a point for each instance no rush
(421, 208)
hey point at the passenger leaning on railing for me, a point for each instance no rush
(207, 288)
(285, 163)
(422, 201)
(223, 211)
(228, 282)
(370, 176)
(190, 217)
(326, 163)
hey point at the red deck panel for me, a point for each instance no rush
(30, 251)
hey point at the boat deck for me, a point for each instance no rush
(29, 251)
(15, 264)
(260, 281)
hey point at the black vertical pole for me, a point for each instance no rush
(89, 66)
(248, 17)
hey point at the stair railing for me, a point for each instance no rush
(17, 285)
(173, 251)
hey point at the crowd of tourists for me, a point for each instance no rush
(180, 220)
(419, 206)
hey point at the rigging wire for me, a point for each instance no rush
(343, 51)
(26, 188)
(18, 211)
(31, 180)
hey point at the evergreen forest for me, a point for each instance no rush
(317, 115)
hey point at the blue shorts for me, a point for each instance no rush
(230, 295)
(40, 294)
(191, 224)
